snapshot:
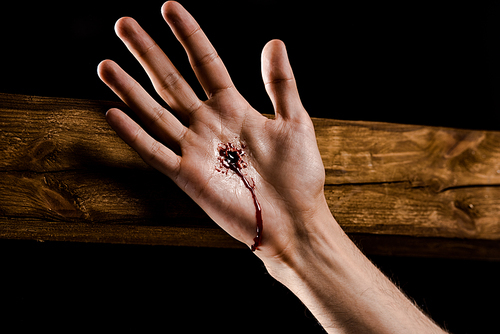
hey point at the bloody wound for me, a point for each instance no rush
(231, 157)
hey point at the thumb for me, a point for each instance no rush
(279, 80)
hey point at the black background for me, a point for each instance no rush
(417, 62)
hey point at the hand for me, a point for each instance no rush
(283, 161)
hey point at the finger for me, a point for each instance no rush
(168, 82)
(279, 80)
(206, 63)
(151, 151)
(163, 124)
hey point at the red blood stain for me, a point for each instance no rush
(230, 157)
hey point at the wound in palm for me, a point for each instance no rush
(231, 158)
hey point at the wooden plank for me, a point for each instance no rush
(399, 209)
(434, 157)
(395, 189)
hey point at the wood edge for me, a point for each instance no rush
(207, 237)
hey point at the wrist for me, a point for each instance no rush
(340, 286)
(310, 267)
(317, 240)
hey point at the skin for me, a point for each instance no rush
(303, 247)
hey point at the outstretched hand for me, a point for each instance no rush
(282, 161)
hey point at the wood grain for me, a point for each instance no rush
(395, 189)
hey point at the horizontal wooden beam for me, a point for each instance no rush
(395, 189)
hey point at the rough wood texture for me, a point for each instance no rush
(395, 189)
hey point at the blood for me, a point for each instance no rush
(231, 158)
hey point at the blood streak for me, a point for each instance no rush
(231, 157)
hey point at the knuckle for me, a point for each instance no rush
(190, 34)
(280, 81)
(135, 138)
(157, 115)
(154, 151)
(206, 59)
(170, 81)
(193, 108)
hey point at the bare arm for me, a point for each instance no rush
(342, 288)
(242, 167)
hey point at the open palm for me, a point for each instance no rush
(282, 161)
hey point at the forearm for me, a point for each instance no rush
(342, 288)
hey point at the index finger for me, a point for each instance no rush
(206, 63)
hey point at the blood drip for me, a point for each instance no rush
(231, 157)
